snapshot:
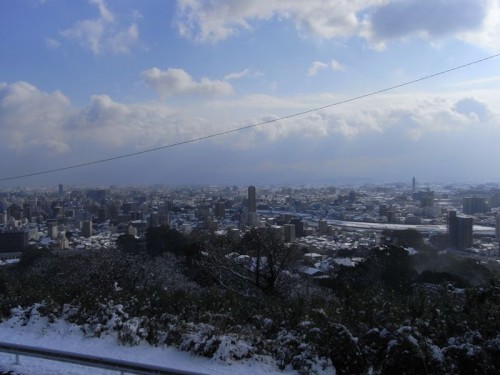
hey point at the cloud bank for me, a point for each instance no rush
(376, 21)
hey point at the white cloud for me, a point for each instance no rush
(103, 33)
(237, 75)
(378, 21)
(122, 40)
(488, 35)
(212, 21)
(104, 12)
(316, 66)
(34, 123)
(178, 82)
(105, 122)
(30, 117)
(242, 74)
(411, 116)
(335, 65)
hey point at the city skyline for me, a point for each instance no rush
(91, 80)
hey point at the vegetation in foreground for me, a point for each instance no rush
(391, 314)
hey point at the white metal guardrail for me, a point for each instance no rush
(90, 360)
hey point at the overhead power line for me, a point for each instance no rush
(235, 130)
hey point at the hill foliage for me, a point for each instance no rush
(390, 314)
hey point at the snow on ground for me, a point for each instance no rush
(64, 336)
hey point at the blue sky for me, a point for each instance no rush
(86, 80)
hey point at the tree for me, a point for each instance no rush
(389, 267)
(257, 263)
(31, 255)
(439, 241)
(127, 243)
(405, 237)
(162, 238)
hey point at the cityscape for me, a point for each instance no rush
(322, 220)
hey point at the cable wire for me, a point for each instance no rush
(225, 132)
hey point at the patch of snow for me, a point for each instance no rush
(29, 328)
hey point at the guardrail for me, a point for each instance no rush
(89, 360)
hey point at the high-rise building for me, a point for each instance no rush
(61, 189)
(234, 234)
(425, 197)
(299, 226)
(27, 211)
(459, 231)
(473, 205)
(99, 195)
(323, 227)
(252, 204)
(413, 184)
(494, 199)
(102, 214)
(391, 216)
(289, 232)
(87, 228)
(13, 240)
(219, 209)
(52, 230)
(352, 196)
(154, 219)
(279, 231)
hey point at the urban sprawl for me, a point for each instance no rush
(331, 224)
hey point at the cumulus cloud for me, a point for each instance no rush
(34, 122)
(473, 109)
(401, 116)
(212, 21)
(378, 21)
(30, 117)
(487, 36)
(178, 82)
(103, 33)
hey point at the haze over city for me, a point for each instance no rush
(87, 80)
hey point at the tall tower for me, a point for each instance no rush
(413, 184)
(452, 228)
(87, 228)
(459, 231)
(251, 200)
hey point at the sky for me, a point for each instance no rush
(82, 81)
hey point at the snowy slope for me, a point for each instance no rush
(64, 336)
